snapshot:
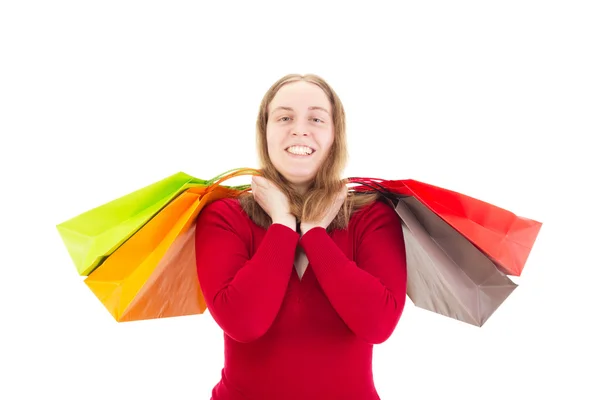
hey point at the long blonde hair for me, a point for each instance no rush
(328, 181)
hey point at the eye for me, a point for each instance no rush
(282, 118)
(318, 119)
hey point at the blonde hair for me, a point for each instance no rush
(328, 181)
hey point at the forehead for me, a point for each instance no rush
(300, 95)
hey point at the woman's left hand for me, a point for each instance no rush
(329, 216)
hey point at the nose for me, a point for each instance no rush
(300, 129)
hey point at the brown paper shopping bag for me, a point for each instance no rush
(447, 274)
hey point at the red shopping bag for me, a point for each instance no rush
(502, 235)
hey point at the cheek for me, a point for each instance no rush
(271, 137)
(327, 141)
(273, 140)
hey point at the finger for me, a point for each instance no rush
(259, 181)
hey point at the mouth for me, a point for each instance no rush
(301, 151)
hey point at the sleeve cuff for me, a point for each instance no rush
(321, 250)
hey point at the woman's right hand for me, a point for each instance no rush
(273, 201)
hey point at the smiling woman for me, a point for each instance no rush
(302, 276)
(296, 111)
(299, 133)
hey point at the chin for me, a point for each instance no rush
(299, 177)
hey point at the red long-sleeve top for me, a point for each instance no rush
(299, 339)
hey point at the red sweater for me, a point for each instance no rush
(288, 338)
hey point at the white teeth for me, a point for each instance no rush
(300, 150)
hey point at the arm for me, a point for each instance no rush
(369, 294)
(243, 293)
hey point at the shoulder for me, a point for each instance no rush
(224, 205)
(225, 210)
(379, 208)
(378, 215)
(223, 223)
(225, 219)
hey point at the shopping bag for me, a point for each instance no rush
(502, 235)
(95, 234)
(149, 276)
(446, 273)
(173, 289)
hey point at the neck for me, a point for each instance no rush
(301, 188)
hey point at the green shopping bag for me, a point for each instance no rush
(95, 234)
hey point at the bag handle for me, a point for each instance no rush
(228, 174)
(232, 173)
(375, 185)
(372, 183)
(364, 179)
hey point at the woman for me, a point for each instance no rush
(302, 276)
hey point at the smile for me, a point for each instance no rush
(300, 150)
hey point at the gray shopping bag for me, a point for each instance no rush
(447, 274)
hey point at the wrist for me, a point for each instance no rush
(287, 220)
(305, 227)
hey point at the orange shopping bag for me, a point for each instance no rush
(153, 275)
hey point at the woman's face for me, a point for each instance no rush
(299, 131)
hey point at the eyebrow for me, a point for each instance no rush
(291, 109)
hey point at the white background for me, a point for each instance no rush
(499, 101)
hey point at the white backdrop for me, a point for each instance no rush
(496, 101)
